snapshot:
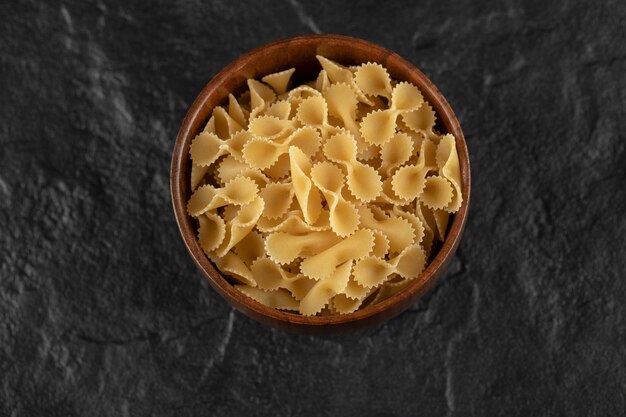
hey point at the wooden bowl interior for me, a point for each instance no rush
(300, 53)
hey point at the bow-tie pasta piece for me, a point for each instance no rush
(337, 73)
(270, 127)
(371, 272)
(280, 109)
(211, 232)
(321, 293)
(261, 96)
(343, 304)
(395, 153)
(263, 153)
(363, 180)
(206, 148)
(234, 267)
(313, 111)
(391, 288)
(328, 178)
(239, 191)
(448, 163)
(222, 124)
(279, 81)
(379, 126)
(293, 222)
(398, 231)
(269, 276)
(237, 112)
(322, 265)
(307, 195)
(422, 121)
(409, 181)
(438, 192)
(284, 247)
(323, 198)
(381, 244)
(277, 198)
(231, 168)
(197, 175)
(280, 299)
(416, 223)
(322, 82)
(373, 80)
(342, 104)
(250, 248)
(241, 225)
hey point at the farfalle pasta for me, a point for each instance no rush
(326, 197)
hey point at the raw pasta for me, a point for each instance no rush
(323, 198)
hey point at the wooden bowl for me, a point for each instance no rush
(299, 52)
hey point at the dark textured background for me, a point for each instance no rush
(102, 312)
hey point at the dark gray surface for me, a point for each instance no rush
(102, 312)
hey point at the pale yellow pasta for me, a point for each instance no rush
(234, 266)
(327, 197)
(270, 276)
(379, 126)
(355, 290)
(329, 179)
(206, 148)
(197, 175)
(342, 304)
(241, 225)
(323, 264)
(438, 192)
(307, 195)
(224, 126)
(342, 103)
(280, 109)
(285, 247)
(293, 222)
(279, 81)
(325, 289)
(430, 227)
(239, 191)
(398, 231)
(277, 197)
(381, 244)
(263, 153)
(389, 196)
(261, 96)
(230, 168)
(448, 163)
(337, 73)
(373, 79)
(322, 82)
(237, 112)
(211, 231)
(279, 169)
(270, 127)
(415, 221)
(280, 299)
(408, 182)
(390, 288)
(371, 272)
(421, 120)
(250, 248)
(313, 111)
(395, 153)
(363, 181)
(441, 220)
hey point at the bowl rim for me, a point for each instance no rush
(369, 315)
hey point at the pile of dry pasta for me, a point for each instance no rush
(327, 197)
